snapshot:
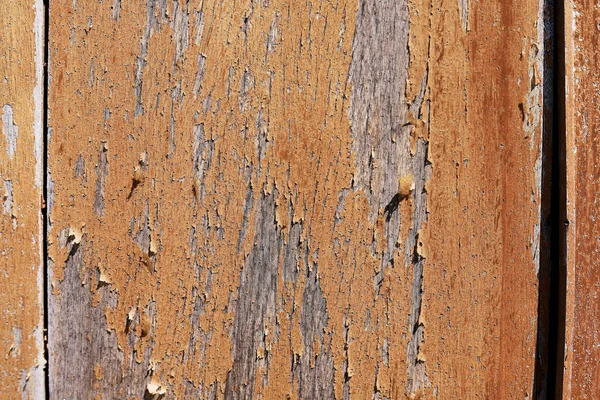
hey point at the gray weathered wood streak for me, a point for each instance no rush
(379, 116)
(81, 347)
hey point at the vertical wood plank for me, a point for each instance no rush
(581, 375)
(286, 199)
(21, 165)
(483, 232)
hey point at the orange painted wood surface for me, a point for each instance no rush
(284, 199)
(21, 166)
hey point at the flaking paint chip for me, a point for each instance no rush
(104, 278)
(138, 175)
(145, 325)
(75, 234)
(153, 247)
(406, 185)
(156, 388)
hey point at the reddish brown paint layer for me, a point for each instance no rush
(21, 326)
(582, 356)
(481, 242)
(294, 199)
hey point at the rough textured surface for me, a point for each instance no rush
(481, 238)
(21, 164)
(283, 199)
(581, 379)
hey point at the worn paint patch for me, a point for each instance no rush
(116, 10)
(8, 202)
(10, 129)
(8, 197)
(101, 175)
(463, 6)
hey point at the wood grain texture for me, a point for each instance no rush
(581, 379)
(283, 199)
(482, 237)
(21, 165)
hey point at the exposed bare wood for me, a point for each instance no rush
(286, 199)
(21, 165)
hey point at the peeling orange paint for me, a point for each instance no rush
(273, 199)
(21, 271)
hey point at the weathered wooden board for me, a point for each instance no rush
(288, 199)
(480, 279)
(21, 166)
(581, 379)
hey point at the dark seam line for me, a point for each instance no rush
(550, 339)
(45, 220)
(556, 340)
(560, 195)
